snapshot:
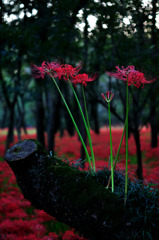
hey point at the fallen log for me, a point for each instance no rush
(71, 196)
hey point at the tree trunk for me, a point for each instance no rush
(68, 121)
(139, 171)
(40, 126)
(153, 124)
(4, 116)
(66, 193)
(53, 118)
(79, 198)
(154, 59)
(10, 135)
(63, 192)
(20, 117)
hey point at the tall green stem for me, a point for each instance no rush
(126, 167)
(82, 141)
(116, 157)
(111, 149)
(84, 120)
(89, 134)
(121, 140)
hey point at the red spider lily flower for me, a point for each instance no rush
(109, 96)
(67, 71)
(135, 77)
(83, 79)
(52, 69)
(38, 72)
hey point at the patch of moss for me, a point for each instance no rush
(83, 190)
(56, 226)
(17, 149)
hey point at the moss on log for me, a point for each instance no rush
(71, 196)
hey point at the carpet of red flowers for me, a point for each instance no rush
(20, 221)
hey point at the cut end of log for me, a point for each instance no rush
(22, 150)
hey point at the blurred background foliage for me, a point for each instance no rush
(100, 34)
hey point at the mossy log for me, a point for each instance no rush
(71, 196)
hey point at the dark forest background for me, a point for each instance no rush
(125, 33)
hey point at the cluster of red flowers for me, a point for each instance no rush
(131, 75)
(65, 71)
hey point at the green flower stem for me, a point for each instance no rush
(111, 149)
(84, 146)
(89, 134)
(86, 124)
(121, 140)
(126, 167)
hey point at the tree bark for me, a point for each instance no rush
(40, 125)
(66, 193)
(153, 124)
(53, 121)
(139, 170)
(154, 59)
(10, 135)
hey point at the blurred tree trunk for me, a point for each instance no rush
(94, 114)
(4, 115)
(135, 124)
(153, 105)
(10, 134)
(139, 170)
(85, 57)
(69, 99)
(40, 115)
(153, 124)
(19, 98)
(11, 107)
(9, 104)
(54, 102)
(20, 118)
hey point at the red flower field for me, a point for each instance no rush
(20, 221)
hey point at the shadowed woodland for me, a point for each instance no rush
(124, 33)
(98, 34)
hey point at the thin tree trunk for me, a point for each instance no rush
(139, 170)
(40, 115)
(10, 135)
(68, 120)
(53, 120)
(20, 117)
(153, 124)
(4, 116)
(154, 56)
